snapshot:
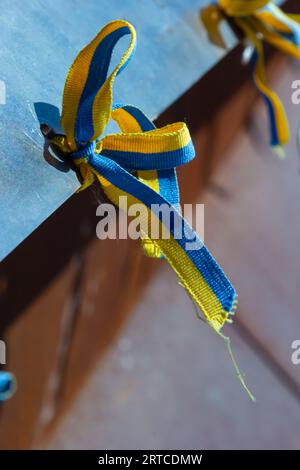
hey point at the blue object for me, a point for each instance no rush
(38, 43)
(7, 385)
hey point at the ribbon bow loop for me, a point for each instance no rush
(87, 97)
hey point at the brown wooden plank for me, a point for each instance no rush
(112, 280)
(99, 291)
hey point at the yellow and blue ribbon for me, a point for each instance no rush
(139, 162)
(259, 21)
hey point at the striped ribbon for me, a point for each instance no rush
(259, 21)
(139, 162)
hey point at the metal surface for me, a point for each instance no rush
(38, 44)
(7, 385)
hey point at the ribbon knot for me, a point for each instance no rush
(259, 21)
